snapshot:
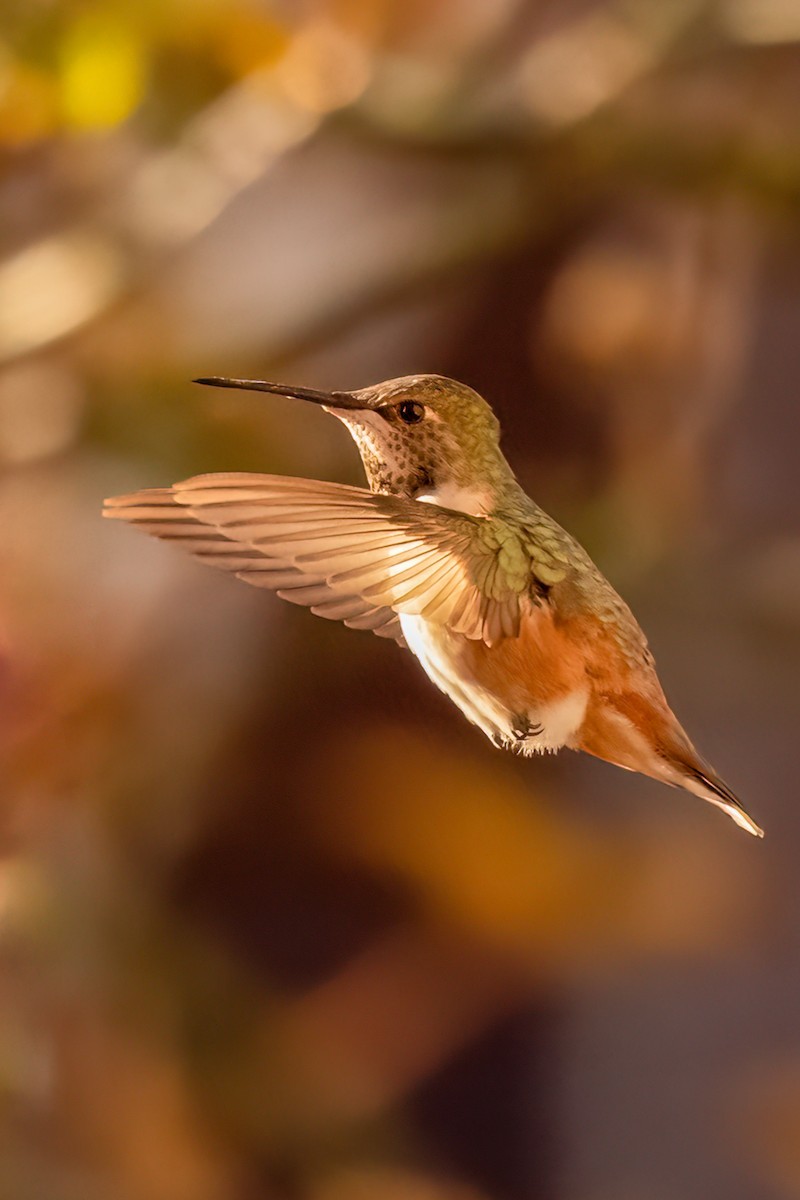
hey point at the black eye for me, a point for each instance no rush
(410, 413)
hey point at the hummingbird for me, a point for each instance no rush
(446, 554)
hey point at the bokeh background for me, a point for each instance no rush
(275, 922)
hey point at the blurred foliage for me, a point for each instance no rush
(275, 922)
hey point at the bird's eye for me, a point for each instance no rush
(410, 413)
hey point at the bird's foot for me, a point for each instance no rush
(521, 731)
(523, 728)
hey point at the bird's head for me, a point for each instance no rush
(422, 436)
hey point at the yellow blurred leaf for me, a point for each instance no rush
(103, 71)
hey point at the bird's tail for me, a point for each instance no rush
(703, 781)
(642, 734)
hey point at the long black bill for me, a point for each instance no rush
(329, 399)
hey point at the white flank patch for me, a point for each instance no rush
(436, 648)
(562, 720)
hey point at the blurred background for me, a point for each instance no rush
(275, 922)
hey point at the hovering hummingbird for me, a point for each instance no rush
(447, 555)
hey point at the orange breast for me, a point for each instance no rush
(545, 663)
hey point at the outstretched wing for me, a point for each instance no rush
(344, 552)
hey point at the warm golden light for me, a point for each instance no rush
(568, 74)
(54, 287)
(324, 68)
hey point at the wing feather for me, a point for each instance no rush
(346, 553)
(162, 516)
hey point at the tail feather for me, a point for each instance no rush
(706, 784)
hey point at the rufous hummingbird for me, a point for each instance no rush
(446, 554)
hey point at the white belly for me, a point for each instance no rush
(549, 728)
